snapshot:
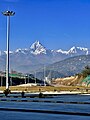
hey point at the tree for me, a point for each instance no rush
(86, 71)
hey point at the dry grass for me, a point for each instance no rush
(68, 81)
(46, 88)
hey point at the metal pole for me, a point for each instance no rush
(7, 60)
(11, 81)
(8, 14)
(25, 79)
(28, 78)
(35, 77)
(44, 75)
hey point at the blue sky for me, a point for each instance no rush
(55, 23)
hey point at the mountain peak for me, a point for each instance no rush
(78, 50)
(37, 48)
(73, 50)
(35, 44)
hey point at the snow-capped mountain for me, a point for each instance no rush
(79, 50)
(34, 57)
(75, 50)
(37, 48)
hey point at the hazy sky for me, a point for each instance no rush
(55, 23)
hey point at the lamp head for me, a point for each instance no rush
(8, 13)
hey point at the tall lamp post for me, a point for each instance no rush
(8, 14)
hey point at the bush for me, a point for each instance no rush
(6, 92)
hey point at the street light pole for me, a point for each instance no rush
(8, 14)
(7, 60)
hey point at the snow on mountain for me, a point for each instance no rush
(37, 48)
(78, 50)
(61, 51)
(18, 50)
(23, 51)
(5, 52)
(84, 49)
(72, 50)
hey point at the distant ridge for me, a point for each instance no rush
(68, 67)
